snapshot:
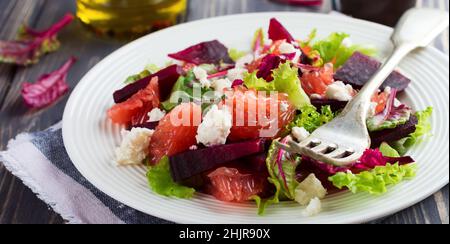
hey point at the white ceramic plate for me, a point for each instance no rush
(90, 138)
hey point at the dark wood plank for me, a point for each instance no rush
(21, 205)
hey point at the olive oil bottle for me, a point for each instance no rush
(129, 18)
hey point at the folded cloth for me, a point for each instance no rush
(41, 162)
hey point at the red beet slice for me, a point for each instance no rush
(147, 125)
(212, 52)
(191, 163)
(335, 105)
(166, 79)
(395, 134)
(278, 32)
(360, 68)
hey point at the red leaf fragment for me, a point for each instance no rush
(48, 88)
(31, 44)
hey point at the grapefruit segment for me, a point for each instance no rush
(134, 110)
(176, 132)
(230, 185)
(254, 113)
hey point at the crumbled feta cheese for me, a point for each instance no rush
(156, 115)
(215, 127)
(221, 84)
(284, 106)
(315, 96)
(242, 62)
(308, 189)
(236, 74)
(314, 207)
(300, 133)
(134, 146)
(287, 48)
(388, 90)
(193, 147)
(339, 91)
(372, 109)
(347, 42)
(202, 76)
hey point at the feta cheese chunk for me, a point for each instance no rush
(372, 109)
(339, 91)
(236, 74)
(215, 127)
(314, 207)
(134, 146)
(300, 133)
(221, 84)
(309, 189)
(287, 48)
(347, 42)
(202, 76)
(156, 115)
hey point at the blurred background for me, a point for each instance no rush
(106, 25)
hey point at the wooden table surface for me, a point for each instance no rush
(17, 203)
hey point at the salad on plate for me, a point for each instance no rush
(208, 120)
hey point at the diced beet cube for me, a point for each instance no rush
(395, 134)
(191, 163)
(360, 68)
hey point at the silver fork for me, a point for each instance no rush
(344, 140)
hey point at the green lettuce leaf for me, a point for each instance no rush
(282, 169)
(285, 80)
(332, 49)
(235, 54)
(388, 151)
(262, 204)
(398, 116)
(183, 91)
(311, 119)
(161, 182)
(259, 84)
(284, 180)
(375, 181)
(136, 77)
(423, 130)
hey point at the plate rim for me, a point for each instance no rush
(167, 216)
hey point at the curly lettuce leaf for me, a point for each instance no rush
(311, 119)
(161, 182)
(252, 81)
(374, 181)
(423, 129)
(286, 80)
